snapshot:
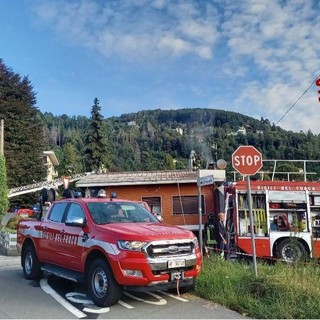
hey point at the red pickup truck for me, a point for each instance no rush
(110, 245)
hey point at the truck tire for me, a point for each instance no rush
(30, 264)
(291, 250)
(102, 286)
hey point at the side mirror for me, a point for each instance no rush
(77, 222)
(158, 216)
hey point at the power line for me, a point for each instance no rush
(299, 98)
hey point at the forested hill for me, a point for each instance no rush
(163, 139)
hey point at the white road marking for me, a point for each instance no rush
(173, 296)
(78, 297)
(161, 301)
(47, 289)
(97, 311)
(126, 305)
(72, 296)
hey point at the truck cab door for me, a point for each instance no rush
(73, 237)
(51, 227)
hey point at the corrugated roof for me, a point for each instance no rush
(138, 178)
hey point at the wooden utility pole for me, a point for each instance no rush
(1, 137)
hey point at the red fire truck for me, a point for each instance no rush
(286, 217)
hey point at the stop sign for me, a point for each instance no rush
(247, 160)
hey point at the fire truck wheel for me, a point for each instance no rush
(291, 250)
(30, 264)
(102, 286)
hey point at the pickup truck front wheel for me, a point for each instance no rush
(102, 286)
(30, 264)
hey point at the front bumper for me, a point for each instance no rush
(155, 271)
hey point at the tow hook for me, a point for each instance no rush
(176, 276)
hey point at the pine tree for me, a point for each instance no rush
(4, 201)
(71, 162)
(95, 156)
(23, 130)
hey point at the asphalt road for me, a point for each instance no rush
(55, 298)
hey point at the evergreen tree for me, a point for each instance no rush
(23, 130)
(95, 155)
(4, 201)
(169, 162)
(71, 162)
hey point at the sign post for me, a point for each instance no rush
(247, 160)
(202, 181)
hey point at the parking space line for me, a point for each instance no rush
(47, 289)
(126, 305)
(173, 296)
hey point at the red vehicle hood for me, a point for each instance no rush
(145, 231)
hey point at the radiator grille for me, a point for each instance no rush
(172, 249)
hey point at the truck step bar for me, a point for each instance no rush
(62, 272)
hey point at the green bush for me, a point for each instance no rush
(1, 216)
(13, 222)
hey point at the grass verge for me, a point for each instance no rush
(280, 291)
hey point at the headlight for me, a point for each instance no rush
(131, 245)
(195, 241)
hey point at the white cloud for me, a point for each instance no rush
(145, 29)
(270, 49)
(284, 105)
(279, 38)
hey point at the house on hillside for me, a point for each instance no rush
(132, 123)
(51, 162)
(180, 131)
(174, 194)
(241, 130)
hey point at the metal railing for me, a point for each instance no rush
(303, 171)
(40, 185)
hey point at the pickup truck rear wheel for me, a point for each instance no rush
(30, 264)
(102, 286)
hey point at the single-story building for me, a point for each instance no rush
(174, 194)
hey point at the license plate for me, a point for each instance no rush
(176, 263)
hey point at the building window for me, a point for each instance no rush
(187, 204)
(154, 203)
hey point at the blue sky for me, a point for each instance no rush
(255, 57)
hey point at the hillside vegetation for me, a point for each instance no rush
(163, 140)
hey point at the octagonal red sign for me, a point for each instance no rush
(247, 160)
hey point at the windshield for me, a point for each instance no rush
(119, 212)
